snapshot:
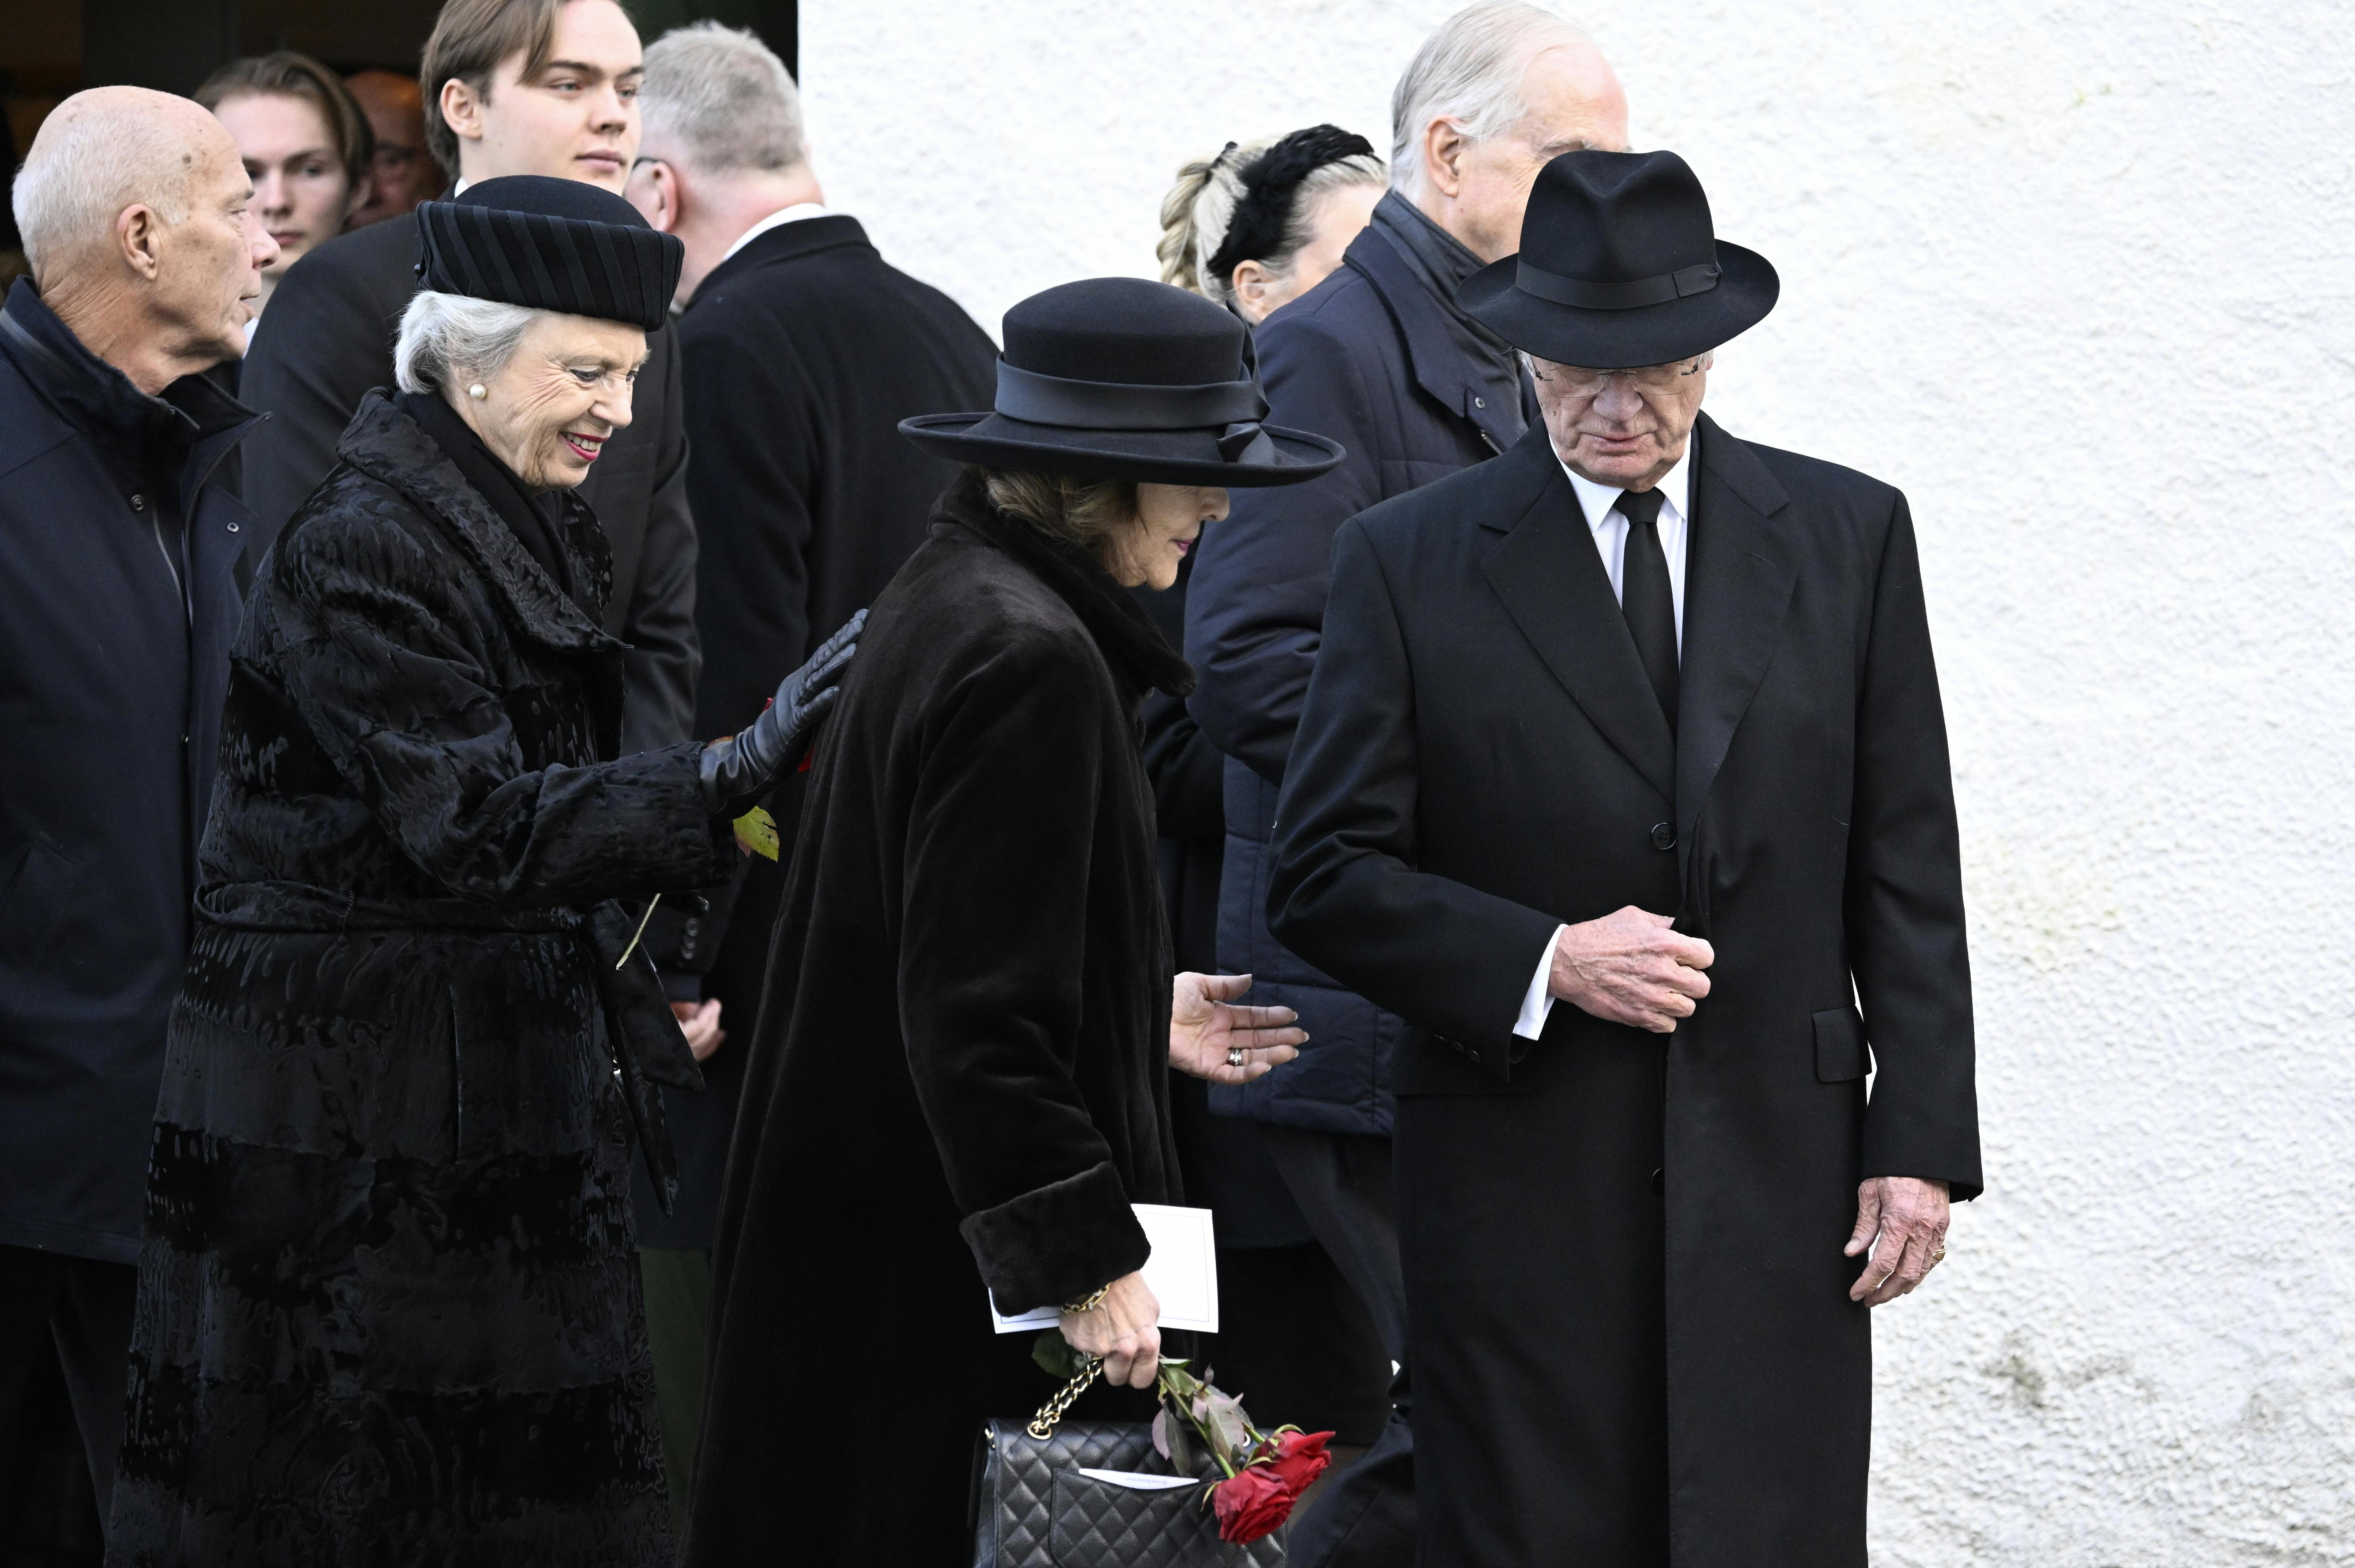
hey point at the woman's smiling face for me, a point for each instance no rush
(562, 394)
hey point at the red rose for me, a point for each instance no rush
(1300, 1458)
(1251, 1503)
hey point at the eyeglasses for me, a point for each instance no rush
(1580, 381)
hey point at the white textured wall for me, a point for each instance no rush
(2078, 279)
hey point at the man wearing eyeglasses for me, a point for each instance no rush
(1623, 778)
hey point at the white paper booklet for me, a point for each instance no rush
(1183, 1272)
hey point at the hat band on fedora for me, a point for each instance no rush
(1125, 405)
(1587, 294)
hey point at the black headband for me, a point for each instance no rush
(1272, 185)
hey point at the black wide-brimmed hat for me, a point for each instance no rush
(1121, 378)
(550, 244)
(1620, 267)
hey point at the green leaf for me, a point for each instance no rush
(1055, 1356)
(756, 833)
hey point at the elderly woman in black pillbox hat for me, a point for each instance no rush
(388, 1302)
(959, 1083)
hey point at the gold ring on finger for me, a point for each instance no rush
(1939, 1256)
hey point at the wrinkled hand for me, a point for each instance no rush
(1204, 1028)
(1124, 1331)
(738, 771)
(1902, 1220)
(701, 1022)
(1631, 968)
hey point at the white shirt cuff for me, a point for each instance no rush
(1538, 1005)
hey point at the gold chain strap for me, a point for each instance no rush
(1042, 1425)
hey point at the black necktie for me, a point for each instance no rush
(1644, 597)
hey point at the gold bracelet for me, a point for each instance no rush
(1087, 1304)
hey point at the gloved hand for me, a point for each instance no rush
(738, 771)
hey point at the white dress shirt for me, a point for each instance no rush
(802, 209)
(1609, 526)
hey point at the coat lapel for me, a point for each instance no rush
(387, 444)
(1439, 369)
(1554, 587)
(1738, 581)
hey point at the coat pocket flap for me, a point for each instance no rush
(1839, 1045)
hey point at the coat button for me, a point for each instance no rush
(1474, 1055)
(138, 503)
(233, 527)
(1663, 835)
(1479, 402)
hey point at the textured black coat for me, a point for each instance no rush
(388, 1305)
(799, 355)
(326, 341)
(959, 1084)
(110, 678)
(1364, 357)
(1608, 1369)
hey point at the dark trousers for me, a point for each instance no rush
(678, 1283)
(1342, 1183)
(85, 1307)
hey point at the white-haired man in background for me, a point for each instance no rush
(800, 352)
(119, 592)
(1381, 359)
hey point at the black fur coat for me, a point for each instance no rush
(389, 1301)
(959, 1083)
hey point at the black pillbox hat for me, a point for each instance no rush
(550, 244)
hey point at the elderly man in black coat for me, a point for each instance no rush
(119, 552)
(1638, 670)
(512, 87)
(1379, 357)
(800, 352)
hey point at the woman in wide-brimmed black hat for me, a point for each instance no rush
(958, 1084)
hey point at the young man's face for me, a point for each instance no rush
(577, 119)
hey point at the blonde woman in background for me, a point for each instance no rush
(1252, 229)
(1259, 226)
(305, 145)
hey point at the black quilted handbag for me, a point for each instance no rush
(1033, 1508)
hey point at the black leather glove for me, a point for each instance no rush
(738, 771)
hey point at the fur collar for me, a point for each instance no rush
(1130, 641)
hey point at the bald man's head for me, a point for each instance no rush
(133, 206)
(105, 150)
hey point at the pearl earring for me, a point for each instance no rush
(478, 391)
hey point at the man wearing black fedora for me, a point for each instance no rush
(1623, 778)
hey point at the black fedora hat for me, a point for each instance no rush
(1620, 266)
(1122, 379)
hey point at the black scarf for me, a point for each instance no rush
(1132, 643)
(536, 520)
(1440, 261)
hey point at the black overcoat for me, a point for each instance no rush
(326, 341)
(1632, 1337)
(119, 545)
(799, 355)
(388, 1302)
(959, 1084)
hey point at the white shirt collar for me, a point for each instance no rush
(778, 218)
(1596, 500)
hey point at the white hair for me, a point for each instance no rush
(445, 335)
(727, 97)
(1471, 70)
(88, 163)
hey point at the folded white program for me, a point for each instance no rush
(1182, 1273)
